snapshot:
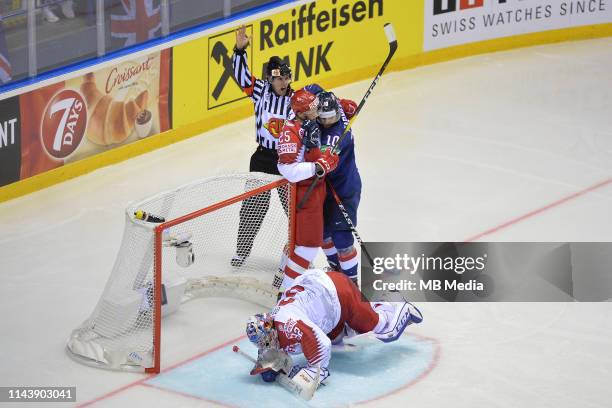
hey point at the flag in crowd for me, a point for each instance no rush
(136, 21)
(5, 64)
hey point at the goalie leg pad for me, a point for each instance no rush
(308, 374)
(404, 314)
(304, 381)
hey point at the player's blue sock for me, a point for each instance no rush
(332, 254)
(349, 261)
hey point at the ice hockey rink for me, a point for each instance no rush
(511, 146)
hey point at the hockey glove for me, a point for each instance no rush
(269, 376)
(326, 163)
(349, 107)
(312, 134)
(270, 363)
(308, 374)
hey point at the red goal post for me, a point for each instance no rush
(190, 255)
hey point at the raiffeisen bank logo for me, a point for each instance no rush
(449, 6)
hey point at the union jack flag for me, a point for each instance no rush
(5, 65)
(138, 21)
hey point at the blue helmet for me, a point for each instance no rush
(329, 107)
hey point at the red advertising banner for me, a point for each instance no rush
(98, 111)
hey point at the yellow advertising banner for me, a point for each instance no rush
(331, 42)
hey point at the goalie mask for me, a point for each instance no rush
(261, 331)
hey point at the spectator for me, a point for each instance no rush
(5, 64)
(67, 11)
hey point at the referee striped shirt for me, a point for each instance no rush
(270, 109)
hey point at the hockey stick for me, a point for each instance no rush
(348, 220)
(284, 380)
(392, 48)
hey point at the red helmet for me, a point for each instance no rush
(303, 101)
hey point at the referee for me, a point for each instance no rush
(271, 100)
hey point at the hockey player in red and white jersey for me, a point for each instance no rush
(314, 313)
(299, 160)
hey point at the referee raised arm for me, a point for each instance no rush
(271, 99)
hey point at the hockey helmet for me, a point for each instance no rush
(329, 108)
(276, 67)
(261, 331)
(303, 101)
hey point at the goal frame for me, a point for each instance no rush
(158, 238)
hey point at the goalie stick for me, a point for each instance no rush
(390, 33)
(284, 380)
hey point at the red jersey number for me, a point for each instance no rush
(285, 137)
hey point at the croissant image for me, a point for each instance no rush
(110, 121)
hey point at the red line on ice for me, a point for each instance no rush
(432, 365)
(148, 377)
(539, 210)
(182, 394)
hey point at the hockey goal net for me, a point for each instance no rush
(223, 236)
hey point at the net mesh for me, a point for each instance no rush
(233, 250)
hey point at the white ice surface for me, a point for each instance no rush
(446, 152)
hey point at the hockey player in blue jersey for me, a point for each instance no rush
(338, 241)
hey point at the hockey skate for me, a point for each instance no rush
(399, 316)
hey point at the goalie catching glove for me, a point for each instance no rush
(270, 363)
